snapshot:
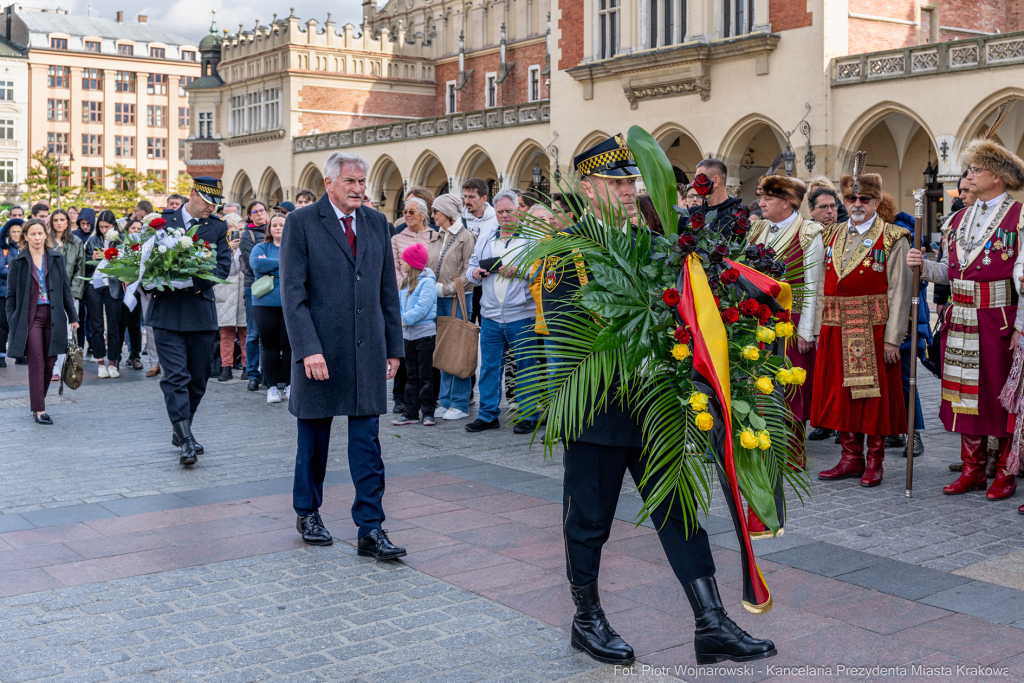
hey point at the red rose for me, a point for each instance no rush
(206, 244)
(730, 275)
(195, 238)
(136, 246)
(741, 211)
(671, 296)
(750, 307)
(721, 250)
(764, 314)
(783, 316)
(157, 223)
(697, 221)
(730, 316)
(687, 241)
(681, 335)
(702, 185)
(742, 222)
(110, 253)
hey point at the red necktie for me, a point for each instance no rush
(350, 233)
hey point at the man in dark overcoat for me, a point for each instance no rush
(340, 302)
(184, 318)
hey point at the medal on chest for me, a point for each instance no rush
(988, 247)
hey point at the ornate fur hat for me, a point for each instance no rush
(783, 187)
(870, 184)
(992, 156)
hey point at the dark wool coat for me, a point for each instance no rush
(346, 309)
(22, 292)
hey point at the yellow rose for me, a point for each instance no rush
(704, 421)
(699, 401)
(784, 376)
(784, 330)
(680, 351)
(764, 384)
(799, 376)
(751, 352)
(764, 440)
(748, 439)
(765, 336)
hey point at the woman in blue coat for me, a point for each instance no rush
(275, 351)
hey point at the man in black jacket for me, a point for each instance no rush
(184, 319)
(597, 458)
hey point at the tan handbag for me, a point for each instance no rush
(458, 341)
(72, 373)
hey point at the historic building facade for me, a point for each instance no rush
(104, 92)
(502, 91)
(14, 108)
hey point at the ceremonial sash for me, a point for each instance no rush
(962, 361)
(857, 317)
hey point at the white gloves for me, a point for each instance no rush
(440, 289)
(181, 284)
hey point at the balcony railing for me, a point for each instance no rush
(431, 126)
(952, 56)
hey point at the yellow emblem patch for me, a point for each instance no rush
(552, 273)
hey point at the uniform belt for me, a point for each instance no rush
(870, 309)
(970, 294)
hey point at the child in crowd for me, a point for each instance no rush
(418, 298)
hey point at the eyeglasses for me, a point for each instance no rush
(693, 196)
(410, 212)
(860, 199)
(254, 211)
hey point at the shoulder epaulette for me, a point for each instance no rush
(891, 234)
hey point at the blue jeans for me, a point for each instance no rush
(454, 391)
(252, 339)
(495, 339)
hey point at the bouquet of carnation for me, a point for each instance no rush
(687, 329)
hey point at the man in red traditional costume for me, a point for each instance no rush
(797, 241)
(978, 335)
(865, 308)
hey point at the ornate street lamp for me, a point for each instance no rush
(789, 159)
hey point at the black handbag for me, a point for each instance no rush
(933, 353)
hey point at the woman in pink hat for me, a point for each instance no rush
(417, 295)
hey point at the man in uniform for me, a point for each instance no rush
(184, 319)
(597, 459)
(978, 336)
(864, 318)
(798, 242)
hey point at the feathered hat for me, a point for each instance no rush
(991, 156)
(861, 183)
(783, 187)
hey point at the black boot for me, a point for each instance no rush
(717, 637)
(176, 441)
(225, 373)
(183, 434)
(591, 631)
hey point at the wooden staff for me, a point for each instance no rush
(915, 302)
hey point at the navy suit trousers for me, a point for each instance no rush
(364, 463)
(185, 358)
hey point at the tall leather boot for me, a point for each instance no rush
(1005, 484)
(756, 528)
(591, 631)
(851, 463)
(876, 455)
(717, 637)
(972, 474)
(176, 441)
(183, 432)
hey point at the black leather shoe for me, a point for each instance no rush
(254, 385)
(527, 427)
(43, 419)
(377, 545)
(183, 433)
(21, 360)
(313, 530)
(176, 440)
(819, 434)
(3, 361)
(895, 441)
(918, 445)
(225, 374)
(479, 425)
(717, 637)
(591, 631)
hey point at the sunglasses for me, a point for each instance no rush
(860, 199)
(410, 213)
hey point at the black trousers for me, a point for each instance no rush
(398, 387)
(131, 322)
(5, 331)
(419, 383)
(99, 301)
(185, 360)
(275, 349)
(593, 479)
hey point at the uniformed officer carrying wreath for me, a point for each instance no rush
(598, 455)
(184, 318)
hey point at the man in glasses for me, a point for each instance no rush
(865, 307)
(980, 251)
